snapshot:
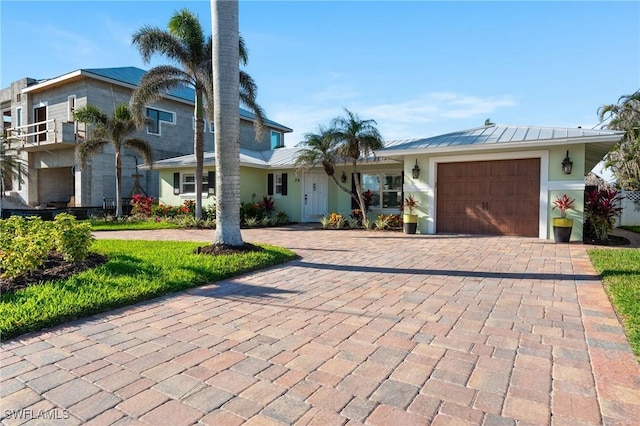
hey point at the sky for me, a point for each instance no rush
(419, 68)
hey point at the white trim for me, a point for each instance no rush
(160, 122)
(19, 117)
(543, 155)
(567, 185)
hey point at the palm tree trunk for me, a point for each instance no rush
(198, 149)
(226, 71)
(356, 178)
(118, 184)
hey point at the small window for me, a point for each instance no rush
(71, 107)
(189, 183)
(18, 97)
(276, 140)
(157, 117)
(18, 117)
(277, 184)
(206, 125)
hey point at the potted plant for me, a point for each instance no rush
(409, 218)
(562, 225)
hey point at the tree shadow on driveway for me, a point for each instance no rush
(451, 273)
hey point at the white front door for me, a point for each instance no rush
(315, 196)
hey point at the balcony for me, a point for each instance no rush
(46, 135)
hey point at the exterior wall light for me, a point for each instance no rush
(567, 164)
(416, 170)
(343, 178)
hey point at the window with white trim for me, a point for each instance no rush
(156, 117)
(385, 187)
(188, 184)
(207, 125)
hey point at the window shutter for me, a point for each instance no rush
(354, 203)
(176, 183)
(212, 183)
(284, 184)
(402, 190)
(270, 184)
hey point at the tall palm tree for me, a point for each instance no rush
(114, 131)
(185, 44)
(224, 19)
(356, 139)
(624, 159)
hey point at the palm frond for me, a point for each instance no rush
(152, 41)
(248, 95)
(140, 146)
(88, 148)
(91, 114)
(185, 26)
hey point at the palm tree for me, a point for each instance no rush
(186, 45)
(224, 19)
(321, 149)
(11, 166)
(356, 139)
(624, 159)
(114, 131)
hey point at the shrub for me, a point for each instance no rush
(282, 218)
(72, 238)
(601, 208)
(353, 222)
(324, 222)
(267, 205)
(24, 244)
(251, 221)
(142, 205)
(336, 220)
(382, 222)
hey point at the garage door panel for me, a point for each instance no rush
(489, 197)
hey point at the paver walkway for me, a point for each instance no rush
(366, 327)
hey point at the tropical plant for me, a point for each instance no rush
(114, 131)
(382, 222)
(601, 208)
(267, 204)
(563, 204)
(282, 218)
(185, 44)
(624, 158)
(353, 222)
(348, 139)
(325, 222)
(409, 203)
(11, 165)
(356, 139)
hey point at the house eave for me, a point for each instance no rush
(507, 145)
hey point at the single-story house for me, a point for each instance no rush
(495, 180)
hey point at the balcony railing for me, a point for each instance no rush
(46, 132)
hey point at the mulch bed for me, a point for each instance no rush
(219, 249)
(589, 237)
(54, 268)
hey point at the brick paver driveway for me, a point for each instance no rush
(366, 327)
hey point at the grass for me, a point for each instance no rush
(143, 225)
(620, 271)
(632, 228)
(136, 271)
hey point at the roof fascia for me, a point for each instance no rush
(485, 147)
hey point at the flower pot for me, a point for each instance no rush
(562, 229)
(409, 223)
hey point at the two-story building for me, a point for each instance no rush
(38, 119)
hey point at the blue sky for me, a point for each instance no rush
(419, 68)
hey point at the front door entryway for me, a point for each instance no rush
(315, 196)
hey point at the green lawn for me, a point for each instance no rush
(620, 271)
(101, 225)
(136, 270)
(632, 228)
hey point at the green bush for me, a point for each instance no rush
(72, 238)
(24, 244)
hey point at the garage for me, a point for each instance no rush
(500, 197)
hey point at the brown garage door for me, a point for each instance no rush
(489, 197)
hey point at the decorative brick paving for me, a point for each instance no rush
(364, 328)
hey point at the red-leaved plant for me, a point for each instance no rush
(601, 207)
(409, 203)
(563, 204)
